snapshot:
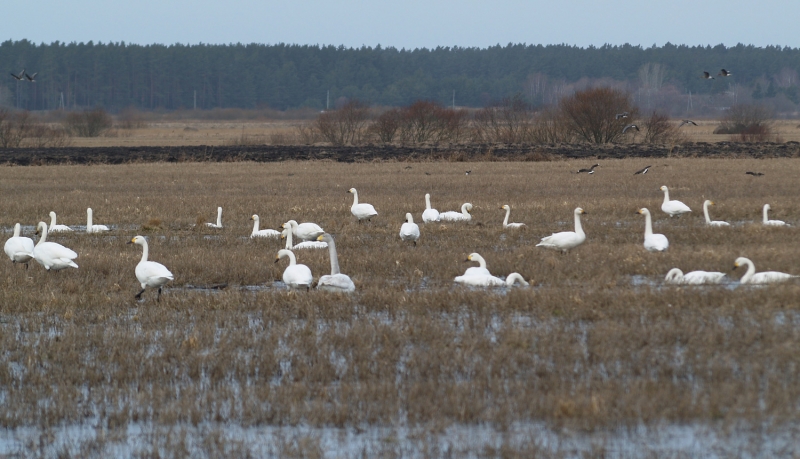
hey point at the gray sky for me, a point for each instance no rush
(406, 23)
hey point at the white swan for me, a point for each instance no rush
(491, 281)
(708, 219)
(462, 216)
(53, 228)
(409, 231)
(361, 211)
(217, 225)
(673, 208)
(52, 256)
(566, 240)
(767, 222)
(304, 231)
(262, 233)
(90, 228)
(295, 276)
(430, 214)
(506, 224)
(477, 270)
(19, 249)
(336, 281)
(676, 276)
(766, 277)
(652, 242)
(149, 273)
(287, 234)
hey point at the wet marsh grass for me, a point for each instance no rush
(585, 347)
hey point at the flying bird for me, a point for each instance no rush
(724, 73)
(630, 126)
(754, 174)
(31, 78)
(707, 76)
(20, 76)
(642, 171)
(589, 170)
(687, 122)
(622, 115)
(468, 172)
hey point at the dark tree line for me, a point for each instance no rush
(152, 77)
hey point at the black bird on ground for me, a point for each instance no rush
(642, 171)
(589, 170)
(31, 78)
(724, 73)
(20, 76)
(754, 174)
(687, 122)
(630, 126)
(707, 76)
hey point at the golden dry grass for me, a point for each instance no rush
(588, 345)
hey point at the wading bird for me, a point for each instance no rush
(430, 214)
(19, 249)
(295, 276)
(652, 242)
(409, 231)
(150, 273)
(506, 224)
(766, 277)
(708, 219)
(52, 256)
(217, 225)
(361, 211)
(673, 208)
(767, 222)
(566, 240)
(336, 281)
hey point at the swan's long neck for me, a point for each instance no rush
(288, 233)
(427, 202)
(675, 275)
(464, 209)
(666, 196)
(89, 220)
(145, 251)
(480, 261)
(43, 229)
(409, 218)
(355, 197)
(578, 227)
(52, 219)
(255, 225)
(219, 216)
(648, 225)
(508, 214)
(766, 211)
(751, 269)
(514, 277)
(17, 230)
(292, 259)
(334, 258)
(705, 212)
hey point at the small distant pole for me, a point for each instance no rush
(328, 101)
(454, 99)
(195, 99)
(61, 105)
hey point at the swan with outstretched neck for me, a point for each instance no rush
(566, 240)
(430, 214)
(262, 233)
(54, 228)
(652, 242)
(709, 222)
(52, 256)
(673, 208)
(766, 277)
(19, 249)
(287, 234)
(361, 211)
(217, 225)
(150, 273)
(336, 281)
(506, 224)
(90, 228)
(295, 275)
(767, 222)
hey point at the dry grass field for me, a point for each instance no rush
(596, 351)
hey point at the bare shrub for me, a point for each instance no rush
(659, 129)
(591, 114)
(130, 118)
(307, 133)
(426, 121)
(13, 128)
(549, 126)
(387, 125)
(345, 125)
(747, 123)
(88, 123)
(508, 122)
(41, 135)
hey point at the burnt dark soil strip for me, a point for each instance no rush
(471, 152)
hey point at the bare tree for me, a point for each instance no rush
(387, 125)
(751, 123)
(591, 114)
(14, 128)
(508, 122)
(659, 129)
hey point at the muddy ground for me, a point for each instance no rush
(474, 152)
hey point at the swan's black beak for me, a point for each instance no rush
(585, 213)
(735, 266)
(130, 242)
(277, 259)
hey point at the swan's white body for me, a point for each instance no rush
(287, 234)
(409, 231)
(336, 281)
(295, 276)
(673, 208)
(262, 233)
(766, 277)
(19, 249)
(52, 256)
(54, 228)
(304, 231)
(767, 222)
(652, 242)
(149, 273)
(361, 211)
(566, 240)
(506, 224)
(476, 270)
(430, 214)
(708, 219)
(452, 216)
(491, 281)
(90, 228)
(676, 276)
(218, 224)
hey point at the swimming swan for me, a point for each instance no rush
(409, 231)
(430, 214)
(149, 273)
(462, 216)
(304, 231)
(676, 276)
(491, 281)
(708, 219)
(19, 249)
(673, 208)
(336, 281)
(93, 228)
(652, 242)
(506, 224)
(361, 211)
(768, 222)
(52, 256)
(295, 276)
(262, 233)
(766, 277)
(53, 228)
(566, 240)
(287, 234)
(217, 225)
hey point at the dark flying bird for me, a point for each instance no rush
(20, 76)
(687, 122)
(707, 76)
(31, 78)
(589, 170)
(468, 172)
(630, 126)
(724, 73)
(642, 171)
(754, 174)
(622, 115)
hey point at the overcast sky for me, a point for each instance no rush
(406, 24)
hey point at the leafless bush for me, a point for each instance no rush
(747, 123)
(345, 125)
(659, 129)
(591, 114)
(549, 126)
(88, 123)
(41, 135)
(307, 133)
(387, 125)
(427, 121)
(13, 128)
(508, 122)
(130, 118)
(24, 130)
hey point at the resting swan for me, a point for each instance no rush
(295, 276)
(673, 208)
(652, 242)
(149, 273)
(409, 231)
(476, 270)
(708, 219)
(262, 233)
(90, 228)
(676, 276)
(768, 222)
(53, 228)
(430, 214)
(19, 249)
(52, 256)
(304, 231)
(766, 277)
(336, 281)
(361, 211)
(217, 225)
(491, 281)
(287, 234)
(566, 240)
(463, 216)
(506, 224)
